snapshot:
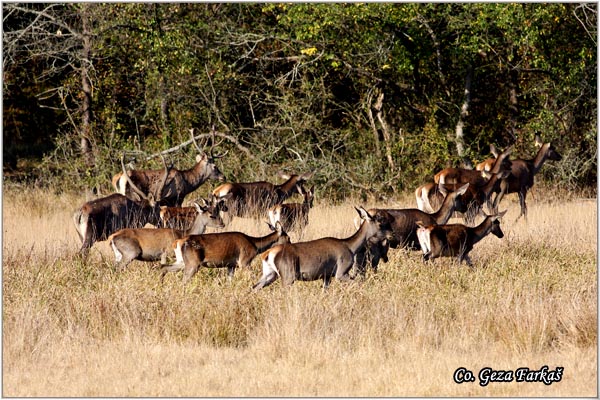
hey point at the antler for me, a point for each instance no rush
(158, 194)
(194, 141)
(133, 186)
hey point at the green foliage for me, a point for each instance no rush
(293, 83)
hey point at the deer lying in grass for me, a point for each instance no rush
(293, 216)
(456, 240)
(522, 173)
(404, 221)
(148, 244)
(321, 258)
(253, 199)
(429, 197)
(97, 219)
(221, 250)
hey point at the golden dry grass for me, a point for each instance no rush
(82, 329)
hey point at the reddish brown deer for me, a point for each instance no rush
(488, 163)
(179, 183)
(522, 173)
(321, 258)
(253, 199)
(456, 240)
(293, 216)
(429, 197)
(404, 221)
(97, 219)
(473, 177)
(182, 218)
(221, 250)
(149, 244)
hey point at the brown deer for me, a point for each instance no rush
(429, 197)
(321, 258)
(149, 244)
(404, 221)
(179, 183)
(253, 199)
(456, 240)
(293, 216)
(97, 219)
(221, 250)
(522, 173)
(473, 177)
(375, 250)
(182, 218)
(488, 163)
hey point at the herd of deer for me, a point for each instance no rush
(156, 196)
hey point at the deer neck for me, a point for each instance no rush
(540, 158)
(481, 230)
(263, 243)
(286, 189)
(444, 213)
(359, 238)
(196, 175)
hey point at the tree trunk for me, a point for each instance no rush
(464, 112)
(86, 87)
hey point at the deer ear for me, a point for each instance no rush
(494, 150)
(364, 214)
(463, 188)
(307, 175)
(500, 214)
(538, 140)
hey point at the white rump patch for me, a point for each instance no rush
(118, 254)
(424, 236)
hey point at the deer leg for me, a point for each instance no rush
(189, 272)
(522, 196)
(230, 272)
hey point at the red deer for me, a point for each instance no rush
(182, 218)
(488, 164)
(179, 183)
(522, 173)
(473, 177)
(221, 250)
(404, 221)
(253, 199)
(293, 216)
(321, 258)
(429, 196)
(149, 244)
(97, 219)
(456, 240)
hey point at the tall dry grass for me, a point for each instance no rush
(82, 329)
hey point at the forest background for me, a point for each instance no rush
(375, 97)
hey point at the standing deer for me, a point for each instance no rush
(321, 258)
(429, 197)
(293, 216)
(456, 240)
(253, 199)
(182, 218)
(404, 221)
(149, 244)
(221, 250)
(179, 183)
(473, 177)
(488, 164)
(522, 173)
(97, 219)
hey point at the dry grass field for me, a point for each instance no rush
(82, 329)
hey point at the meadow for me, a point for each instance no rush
(73, 328)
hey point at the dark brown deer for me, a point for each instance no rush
(471, 176)
(97, 219)
(253, 199)
(149, 244)
(522, 173)
(404, 221)
(429, 197)
(321, 258)
(456, 240)
(179, 183)
(221, 250)
(293, 216)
